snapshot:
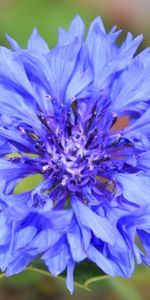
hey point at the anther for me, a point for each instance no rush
(75, 110)
(48, 97)
(22, 130)
(39, 146)
(115, 117)
(45, 168)
(91, 137)
(69, 127)
(105, 158)
(28, 133)
(13, 158)
(44, 121)
(91, 119)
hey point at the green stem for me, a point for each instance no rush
(92, 280)
(43, 272)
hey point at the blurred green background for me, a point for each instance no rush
(17, 18)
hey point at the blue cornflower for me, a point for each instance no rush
(62, 105)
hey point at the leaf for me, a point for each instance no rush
(2, 275)
(126, 289)
(25, 278)
(85, 273)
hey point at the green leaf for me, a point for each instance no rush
(2, 275)
(85, 273)
(126, 289)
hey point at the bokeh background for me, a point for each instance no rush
(17, 18)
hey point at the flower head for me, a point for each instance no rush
(59, 117)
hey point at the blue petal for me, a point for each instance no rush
(140, 126)
(101, 261)
(99, 48)
(76, 29)
(127, 50)
(145, 240)
(100, 226)
(143, 161)
(113, 34)
(13, 136)
(18, 264)
(62, 219)
(36, 43)
(86, 235)
(134, 187)
(138, 219)
(13, 173)
(5, 232)
(126, 88)
(122, 261)
(12, 72)
(77, 26)
(12, 42)
(24, 236)
(42, 241)
(62, 61)
(76, 245)
(36, 69)
(56, 263)
(69, 280)
(80, 82)
(144, 56)
(22, 110)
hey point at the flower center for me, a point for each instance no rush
(78, 147)
(73, 162)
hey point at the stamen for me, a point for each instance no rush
(103, 159)
(45, 168)
(91, 119)
(39, 146)
(74, 107)
(22, 130)
(48, 97)
(13, 158)
(115, 117)
(90, 139)
(69, 126)
(44, 121)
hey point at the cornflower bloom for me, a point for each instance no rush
(59, 110)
